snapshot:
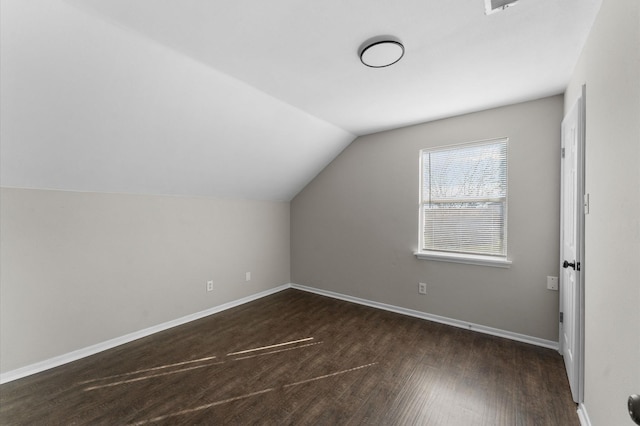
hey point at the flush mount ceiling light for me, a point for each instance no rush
(381, 51)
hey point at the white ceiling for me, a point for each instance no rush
(252, 98)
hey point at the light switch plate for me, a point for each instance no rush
(552, 283)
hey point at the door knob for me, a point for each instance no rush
(567, 264)
(634, 408)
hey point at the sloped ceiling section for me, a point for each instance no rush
(252, 98)
(90, 106)
(304, 52)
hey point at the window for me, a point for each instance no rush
(463, 203)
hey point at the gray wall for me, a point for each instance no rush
(82, 268)
(355, 227)
(610, 68)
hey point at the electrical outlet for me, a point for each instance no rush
(422, 288)
(209, 285)
(247, 276)
(552, 283)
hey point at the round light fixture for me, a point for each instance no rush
(381, 51)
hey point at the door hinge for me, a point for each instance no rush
(561, 316)
(586, 204)
(562, 151)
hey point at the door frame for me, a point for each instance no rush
(582, 209)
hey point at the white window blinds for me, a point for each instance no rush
(464, 199)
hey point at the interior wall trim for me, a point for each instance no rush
(436, 318)
(583, 416)
(112, 343)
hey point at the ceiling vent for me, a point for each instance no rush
(493, 6)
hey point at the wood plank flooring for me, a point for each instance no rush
(296, 358)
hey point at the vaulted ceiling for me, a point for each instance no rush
(251, 99)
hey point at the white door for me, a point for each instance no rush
(571, 252)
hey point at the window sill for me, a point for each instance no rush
(470, 259)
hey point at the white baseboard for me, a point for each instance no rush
(436, 318)
(583, 416)
(109, 344)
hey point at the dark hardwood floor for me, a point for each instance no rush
(295, 358)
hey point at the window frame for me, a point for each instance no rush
(453, 256)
